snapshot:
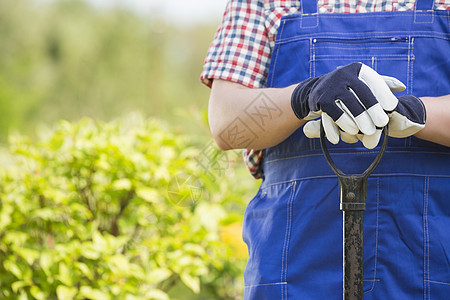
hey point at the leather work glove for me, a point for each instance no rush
(406, 119)
(352, 99)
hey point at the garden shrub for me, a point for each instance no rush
(120, 210)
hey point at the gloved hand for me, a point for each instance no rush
(406, 119)
(353, 97)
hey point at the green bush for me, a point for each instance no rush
(120, 210)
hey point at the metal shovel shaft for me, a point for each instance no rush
(353, 255)
(353, 193)
(353, 190)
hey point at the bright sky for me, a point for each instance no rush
(183, 12)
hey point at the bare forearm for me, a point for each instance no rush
(437, 126)
(241, 117)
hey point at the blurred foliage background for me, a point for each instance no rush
(67, 59)
(110, 184)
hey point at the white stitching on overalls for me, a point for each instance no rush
(426, 250)
(265, 284)
(438, 282)
(311, 50)
(376, 48)
(284, 264)
(408, 69)
(423, 13)
(277, 51)
(349, 56)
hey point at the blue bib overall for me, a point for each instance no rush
(293, 226)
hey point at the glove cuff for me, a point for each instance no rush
(299, 98)
(413, 107)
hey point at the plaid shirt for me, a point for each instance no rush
(243, 43)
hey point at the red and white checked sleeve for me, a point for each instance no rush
(240, 51)
(442, 4)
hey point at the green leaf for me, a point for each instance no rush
(5, 216)
(89, 251)
(44, 214)
(37, 293)
(46, 262)
(158, 275)
(15, 238)
(66, 293)
(122, 184)
(194, 248)
(85, 270)
(81, 209)
(16, 286)
(65, 274)
(191, 282)
(148, 194)
(115, 243)
(94, 294)
(13, 268)
(119, 264)
(23, 295)
(99, 241)
(156, 294)
(210, 215)
(29, 255)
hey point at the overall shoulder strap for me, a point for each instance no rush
(424, 5)
(310, 16)
(424, 11)
(309, 6)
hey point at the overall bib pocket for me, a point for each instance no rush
(391, 56)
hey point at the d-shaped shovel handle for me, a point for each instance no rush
(369, 170)
(352, 190)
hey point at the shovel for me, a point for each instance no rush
(353, 192)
